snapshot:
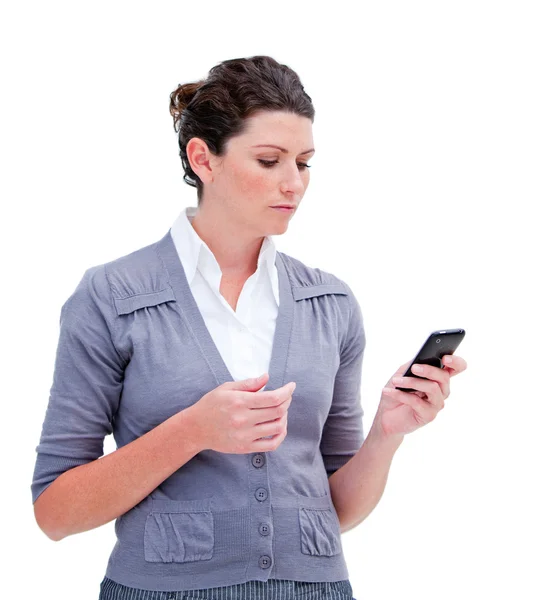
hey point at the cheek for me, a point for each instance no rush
(251, 182)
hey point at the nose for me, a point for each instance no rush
(292, 181)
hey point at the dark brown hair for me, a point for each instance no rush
(215, 109)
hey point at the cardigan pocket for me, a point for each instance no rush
(130, 304)
(319, 526)
(179, 531)
(322, 289)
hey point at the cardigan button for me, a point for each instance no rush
(261, 494)
(258, 460)
(265, 528)
(265, 561)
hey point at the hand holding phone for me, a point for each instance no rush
(437, 345)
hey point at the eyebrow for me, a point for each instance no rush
(280, 148)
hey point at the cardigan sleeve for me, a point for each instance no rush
(87, 383)
(343, 433)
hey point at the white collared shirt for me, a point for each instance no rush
(244, 338)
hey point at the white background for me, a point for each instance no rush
(420, 198)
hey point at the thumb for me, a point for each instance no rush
(402, 369)
(252, 384)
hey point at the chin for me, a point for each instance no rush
(282, 228)
(277, 224)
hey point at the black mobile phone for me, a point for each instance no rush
(437, 345)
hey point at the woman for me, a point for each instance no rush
(223, 486)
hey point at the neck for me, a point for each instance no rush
(236, 252)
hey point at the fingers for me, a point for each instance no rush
(272, 406)
(266, 398)
(432, 389)
(424, 411)
(441, 376)
(402, 369)
(454, 364)
(269, 428)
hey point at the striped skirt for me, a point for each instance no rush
(272, 589)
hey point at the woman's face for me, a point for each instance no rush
(264, 166)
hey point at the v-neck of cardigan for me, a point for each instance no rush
(188, 308)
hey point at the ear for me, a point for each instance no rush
(200, 158)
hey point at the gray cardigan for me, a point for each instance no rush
(134, 350)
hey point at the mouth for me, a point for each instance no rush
(287, 209)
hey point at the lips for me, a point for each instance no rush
(283, 209)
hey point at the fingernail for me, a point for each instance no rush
(417, 368)
(447, 360)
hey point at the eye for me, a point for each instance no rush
(270, 163)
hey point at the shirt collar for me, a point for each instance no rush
(192, 249)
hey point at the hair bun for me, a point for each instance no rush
(180, 99)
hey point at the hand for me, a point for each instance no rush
(235, 416)
(403, 412)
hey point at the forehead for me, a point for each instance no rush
(277, 127)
